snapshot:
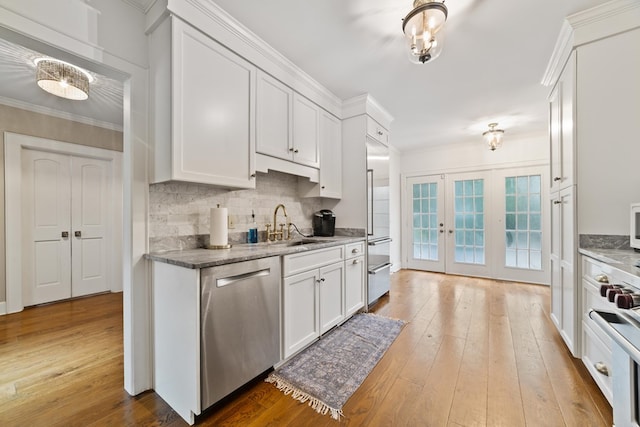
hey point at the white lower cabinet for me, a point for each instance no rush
(355, 274)
(322, 288)
(313, 299)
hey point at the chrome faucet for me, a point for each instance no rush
(278, 235)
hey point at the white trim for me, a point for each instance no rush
(559, 56)
(366, 104)
(13, 145)
(3, 308)
(10, 102)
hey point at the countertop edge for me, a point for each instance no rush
(204, 258)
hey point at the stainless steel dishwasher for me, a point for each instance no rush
(240, 314)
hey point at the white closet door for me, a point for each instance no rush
(89, 190)
(46, 217)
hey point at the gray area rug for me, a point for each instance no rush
(329, 371)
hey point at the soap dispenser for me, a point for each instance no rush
(252, 234)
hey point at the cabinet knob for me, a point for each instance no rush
(322, 280)
(295, 151)
(557, 178)
(602, 368)
(253, 175)
(77, 233)
(556, 202)
(65, 234)
(322, 187)
(380, 132)
(355, 250)
(291, 149)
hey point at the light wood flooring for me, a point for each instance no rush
(475, 352)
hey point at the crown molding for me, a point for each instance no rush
(560, 54)
(209, 18)
(366, 104)
(589, 25)
(10, 102)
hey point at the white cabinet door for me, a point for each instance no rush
(555, 132)
(377, 132)
(565, 311)
(46, 216)
(556, 282)
(568, 120)
(331, 296)
(306, 116)
(213, 111)
(330, 184)
(330, 156)
(354, 274)
(274, 111)
(301, 317)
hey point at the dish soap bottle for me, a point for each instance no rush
(252, 235)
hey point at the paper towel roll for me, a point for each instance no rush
(218, 232)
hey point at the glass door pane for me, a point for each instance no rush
(425, 242)
(523, 222)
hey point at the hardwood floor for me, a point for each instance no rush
(475, 352)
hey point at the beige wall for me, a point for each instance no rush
(35, 124)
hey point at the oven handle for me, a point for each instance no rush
(380, 268)
(379, 241)
(615, 335)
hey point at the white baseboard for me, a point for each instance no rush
(3, 308)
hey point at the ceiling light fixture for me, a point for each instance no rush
(62, 79)
(423, 28)
(493, 136)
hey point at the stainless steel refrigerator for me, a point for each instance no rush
(378, 235)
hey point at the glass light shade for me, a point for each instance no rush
(62, 79)
(423, 29)
(493, 137)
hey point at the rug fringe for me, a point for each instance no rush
(299, 395)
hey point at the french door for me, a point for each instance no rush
(426, 246)
(486, 224)
(467, 226)
(64, 207)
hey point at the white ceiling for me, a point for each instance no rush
(494, 57)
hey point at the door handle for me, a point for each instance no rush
(65, 234)
(77, 233)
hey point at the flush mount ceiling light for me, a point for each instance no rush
(423, 29)
(493, 136)
(62, 79)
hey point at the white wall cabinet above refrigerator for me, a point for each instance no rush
(203, 109)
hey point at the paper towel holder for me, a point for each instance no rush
(225, 246)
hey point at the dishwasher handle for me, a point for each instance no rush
(225, 281)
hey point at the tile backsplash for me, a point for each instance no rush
(179, 211)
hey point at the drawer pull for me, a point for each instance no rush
(602, 368)
(356, 261)
(602, 278)
(355, 251)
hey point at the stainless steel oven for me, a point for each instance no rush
(623, 326)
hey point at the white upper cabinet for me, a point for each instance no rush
(274, 112)
(287, 123)
(561, 127)
(330, 184)
(306, 119)
(376, 131)
(203, 103)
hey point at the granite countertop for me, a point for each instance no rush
(622, 259)
(203, 258)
